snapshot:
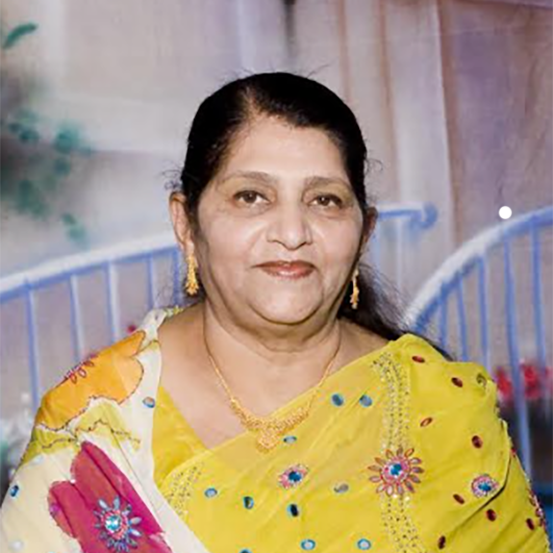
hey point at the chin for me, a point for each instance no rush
(286, 310)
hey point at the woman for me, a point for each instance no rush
(283, 410)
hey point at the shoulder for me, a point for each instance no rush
(455, 427)
(113, 373)
(439, 382)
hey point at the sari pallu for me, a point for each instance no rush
(403, 452)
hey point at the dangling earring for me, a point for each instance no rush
(192, 285)
(354, 298)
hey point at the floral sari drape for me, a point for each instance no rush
(403, 452)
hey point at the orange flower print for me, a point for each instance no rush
(397, 473)
(112, 374)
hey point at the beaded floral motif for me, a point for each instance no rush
(396, 512)
(293, 476)
(398, 472)
(95, 480)
(117, 528)
(483, 485)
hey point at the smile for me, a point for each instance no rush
(294, 270)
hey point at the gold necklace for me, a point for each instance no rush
(269, 430)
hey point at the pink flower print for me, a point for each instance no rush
(397, 473)
(101, 510)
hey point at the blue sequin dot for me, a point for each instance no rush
(293, 510)
(338, 399)
(289, 439)
(341, 488)
(364, 544)
(245, 551)
(14, 490)
(365, 400)
(485, 487)
(149, 402)
(396, 469)
(308, 545)
(210, 492)
(113, 523)
(248, 502)
(295, 476)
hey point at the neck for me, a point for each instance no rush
(290, 359)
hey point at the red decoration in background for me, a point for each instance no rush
(534, 388)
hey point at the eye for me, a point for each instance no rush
(248, 197)
(327, 200)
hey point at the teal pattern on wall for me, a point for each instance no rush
(38, 154)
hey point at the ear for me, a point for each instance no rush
(181, 223)
(372, 216)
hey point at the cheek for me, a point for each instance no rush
(228, 244)
(339, 243)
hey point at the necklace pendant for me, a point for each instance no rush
(272, 431)
(267, 441)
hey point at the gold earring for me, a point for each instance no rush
(192, 285)
(354, 298)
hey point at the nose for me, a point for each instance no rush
(290, 227)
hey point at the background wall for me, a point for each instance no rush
(454, 98)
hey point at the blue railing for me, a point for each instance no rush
(415, 218)
(432, 306)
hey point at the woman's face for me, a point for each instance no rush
(280, 226)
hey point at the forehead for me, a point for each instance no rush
(272, 146)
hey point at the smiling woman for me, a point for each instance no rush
(284, 409)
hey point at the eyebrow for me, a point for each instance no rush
(250, 175)
(325, 181)
(261, 176)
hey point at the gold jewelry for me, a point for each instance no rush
(192, 285)
(354, 298)
(270, 429)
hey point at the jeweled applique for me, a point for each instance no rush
(398, 472)
(118, 529)
(293, 476)
(483, 485)
(97, 481)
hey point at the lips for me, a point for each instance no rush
(288, 269)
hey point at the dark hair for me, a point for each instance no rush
(303, 103)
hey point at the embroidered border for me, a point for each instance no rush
(178, 487)
(395, 508)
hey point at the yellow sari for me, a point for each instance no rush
(403, 452)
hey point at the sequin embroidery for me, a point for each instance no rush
(483, 485)
(293, 476)
(117, 528)
(398, 472)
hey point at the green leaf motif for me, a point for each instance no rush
(15, 35)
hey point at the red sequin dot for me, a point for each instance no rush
(418, 359)
(491, 514)
(530, 524)
(441, 542)
(458, 498)
(477, 441)
(426, 421)
(457, 381)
